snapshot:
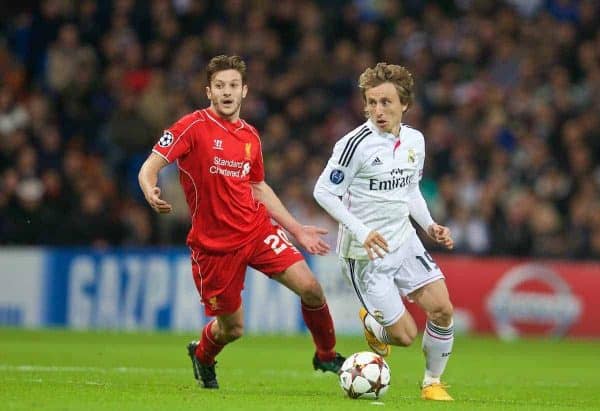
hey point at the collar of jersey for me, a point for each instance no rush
(222, 121)
(383, 134)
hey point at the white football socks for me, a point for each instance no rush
(437, 346)
(377, 329)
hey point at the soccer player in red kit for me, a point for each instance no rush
(221, 171)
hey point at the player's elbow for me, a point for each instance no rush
(142, 173)
(318, 194)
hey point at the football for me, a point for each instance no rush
(365, 375)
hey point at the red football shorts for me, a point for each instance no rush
(219, 277)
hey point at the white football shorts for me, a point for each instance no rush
(380, 283)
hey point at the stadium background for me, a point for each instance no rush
(508, 97)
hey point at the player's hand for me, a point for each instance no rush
(441, 235)
(375, 245)
(159, 205)
(310, 238)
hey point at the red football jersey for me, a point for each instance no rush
(217, 161)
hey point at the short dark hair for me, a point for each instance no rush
(223, 62)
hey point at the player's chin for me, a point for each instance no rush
(229, 108)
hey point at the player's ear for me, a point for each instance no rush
(244, 90)
(208, 93)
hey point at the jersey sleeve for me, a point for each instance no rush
(417, 206)
(344, 163)
(257, 171)
(176, 141)
(420, 158)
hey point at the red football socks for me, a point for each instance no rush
(318, 321)
(208, 349)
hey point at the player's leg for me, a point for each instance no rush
(210, 271)
(215, 335)
(315, 313)
(277, 258)
(438, 337)
(425, 286)
(385, 319)
(379, 337)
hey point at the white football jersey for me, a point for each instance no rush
(373, 172)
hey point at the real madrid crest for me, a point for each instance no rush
(412, 156)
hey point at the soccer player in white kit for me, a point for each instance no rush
(375, 169)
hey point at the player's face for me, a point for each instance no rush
(226, 92)
(384, 107)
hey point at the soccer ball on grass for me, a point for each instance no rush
(365, 375)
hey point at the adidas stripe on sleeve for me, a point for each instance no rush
(344, 162)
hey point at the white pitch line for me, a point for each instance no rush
(52, 381)
(267, 372)
(55, 368)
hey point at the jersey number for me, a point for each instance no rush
(427, 261)
(278, 242)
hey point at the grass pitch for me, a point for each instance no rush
(67, 370)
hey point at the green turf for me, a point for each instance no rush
(113, 371)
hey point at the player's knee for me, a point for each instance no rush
(312, 294)
(404, 336)
(234, 332)
(404, 339)
(442, 314)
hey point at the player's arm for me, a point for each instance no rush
(308, 236)
(331, 185)
(371, 240)
(420, 213)
(148, 179)
(417, 207)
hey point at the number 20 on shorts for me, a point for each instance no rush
(278, 242)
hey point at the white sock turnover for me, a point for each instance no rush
(377, 329)
(437, 346)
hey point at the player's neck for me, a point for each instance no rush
(395, 131)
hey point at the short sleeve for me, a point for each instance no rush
(176, 141)
(341, 168)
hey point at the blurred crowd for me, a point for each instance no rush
(508, 98)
